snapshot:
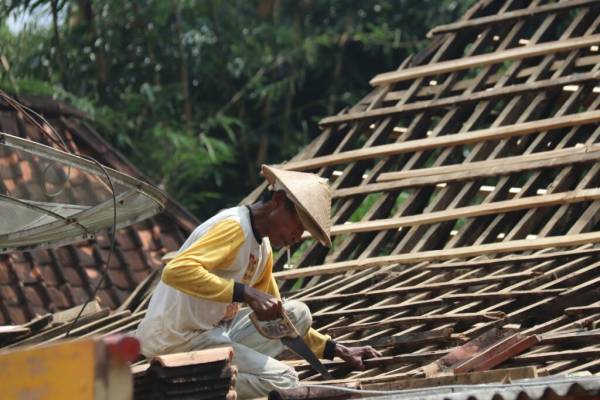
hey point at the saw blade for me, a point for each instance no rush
(298, 346)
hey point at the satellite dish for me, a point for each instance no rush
(61, 197)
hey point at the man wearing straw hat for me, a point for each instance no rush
(228, 260)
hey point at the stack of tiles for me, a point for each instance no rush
(205, 374)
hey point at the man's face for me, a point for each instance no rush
(285, 227)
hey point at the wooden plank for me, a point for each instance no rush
(377, 361)
(65, 316)
(465, 175)
(84, 329)
(11, 332)
(168, 256)
(422, 287)
(485, 59)
(499, 166)
(495, 19)
(501, 132)
(421, 319)
(513, 294)
(472, 378)
(523, 73)
(49, 334)
(493, 208)
(133, 300)
(116, 325)
(513, 259)
(372, 310)
(458, 252)
(579, 355)
(583, 310)
(461, 100)
(310, 392)
(39, 323)
(579, 337)
(407, 339)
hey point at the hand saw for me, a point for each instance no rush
(283, 329)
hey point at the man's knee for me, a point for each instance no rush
(252, 385)
(300, 315)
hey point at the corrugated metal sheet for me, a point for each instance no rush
(50, 280)
(534, 389)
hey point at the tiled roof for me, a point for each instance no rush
(48, 280)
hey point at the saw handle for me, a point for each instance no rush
(275, 329)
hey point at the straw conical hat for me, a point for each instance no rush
(310, 194)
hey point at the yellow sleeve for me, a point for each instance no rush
(267, 284)
(316, 341)
(190, 270)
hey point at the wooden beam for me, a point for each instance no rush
(11, 332)
(512, 259)
(407, 339)
(421, 319)
(376, 361)
(454, 101)
(495, 19)
(49, 334)
(464, 174)
(580, 337)
(501, 132)
(393, 308)
(485, 59)
(307, 392)
(578, 355)
(472, 378)
(584, 62)
(62, 317)
(583, 310)
(462, 297)
(168, 257)
(443, 254)
(423, 287)
(494, 208)
(498, 166)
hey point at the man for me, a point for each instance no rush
(228, 260)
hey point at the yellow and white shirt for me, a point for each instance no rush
(196, 288)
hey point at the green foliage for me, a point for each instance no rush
(199, 94)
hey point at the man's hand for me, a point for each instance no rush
(354, 355)
(264, 305)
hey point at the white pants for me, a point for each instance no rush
(258, 371)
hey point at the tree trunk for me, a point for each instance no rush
(339, 64)
(142, 24)
(184, 76)
(59, 53)
(263, 144)
(101, 60)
